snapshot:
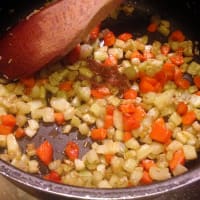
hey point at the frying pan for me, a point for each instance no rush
(183, 14)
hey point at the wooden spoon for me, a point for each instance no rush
(50, 33)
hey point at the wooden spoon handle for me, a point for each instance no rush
(49, 33)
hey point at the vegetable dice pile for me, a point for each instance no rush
(139, 103)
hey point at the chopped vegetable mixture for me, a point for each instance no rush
(138, 102)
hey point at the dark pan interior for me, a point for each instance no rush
(183, 15)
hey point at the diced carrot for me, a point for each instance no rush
(28, 82)
(178, 74)
(98, 133)
(146, 179)
(132, 117)
(108, 121)
(45, 152)
(110, 61)
(110, 109)
(197, 81)
(73, 55)
(188, 118)
(147, 164)
(125, 36)
(95, 32)
(152, 27)
(183, 83)
(65, 86)
(100, 92)
(146, 86)
(108, 158)
(178, 158)
(139, 113)
(159, 132)
(130, 122)
(165, 49)
(19, 133)
(130, 94)
(137, 54)
(127, 136)
(127, 108)
(53, 176)
(177, 36)
(72, 150)
(8, 120)
(59, 118)
(109, 38)
(169, 70)
(149, 84)
(177, 59)
(161, 77)
(5, 130)
(181, 108)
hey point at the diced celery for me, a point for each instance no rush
(97, 110)
(51, 88)
(175, 118)
(163, 30)
(86, 72)
(75, 121)
(130, 72)
(83, 93)
(194, 68)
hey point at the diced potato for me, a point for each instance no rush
(33, 166)
(118, 120)
(100, 55)
(59, 104)
(33, 124)
(35, 104)
(24, 108)
(104, 184)
(132, 144)
(136, 175)
(79, 164)
(130, 164)
(48, 114)
(174, 146)
(116, 52)
(30, 132)
(143, 151)
(12, 146)
(180, 169)
(117, 164)
(159, 174)
(190, 152)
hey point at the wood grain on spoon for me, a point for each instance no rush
(49, 34)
